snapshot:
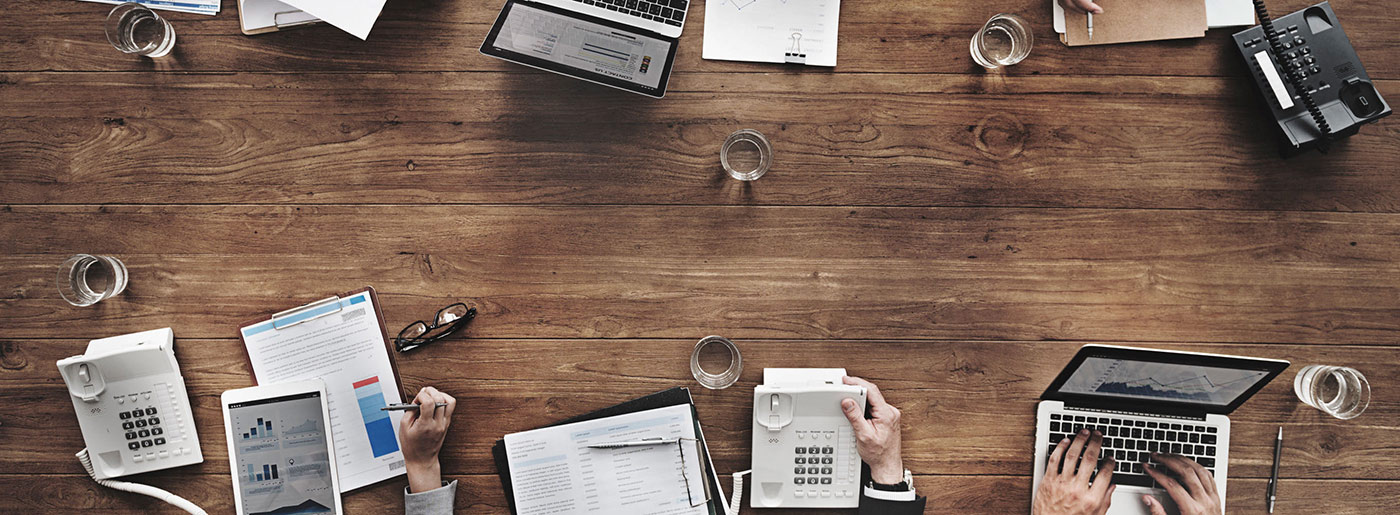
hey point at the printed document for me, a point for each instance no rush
(354, 16)
(553, 471)
(210, 7)
(341, 343)
(772, 31)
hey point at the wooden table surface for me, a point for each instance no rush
(952, 234)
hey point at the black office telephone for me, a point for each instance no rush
(1311, 79)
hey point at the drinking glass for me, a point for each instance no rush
(1005, 40)
(746, 155)
(1338, 391)
(721, 358)
(136, 29)
(85, 279)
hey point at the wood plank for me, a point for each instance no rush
(615, 272)
(422, 35)
(968, 406)
(482, 494)
(861, 140)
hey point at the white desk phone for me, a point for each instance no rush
(804, 451)
(133, 410)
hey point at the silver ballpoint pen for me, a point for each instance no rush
(636, 443)
(1091, 26)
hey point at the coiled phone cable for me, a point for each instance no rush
(737, 500)
(1292, 75)
(137, 488)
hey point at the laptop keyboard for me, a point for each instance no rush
(1132, 442)
(670, 12)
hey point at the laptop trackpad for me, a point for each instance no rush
(1128, 501)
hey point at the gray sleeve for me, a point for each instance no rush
(431, 502)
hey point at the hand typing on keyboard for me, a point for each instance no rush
(1068, 489)
(1193, 487)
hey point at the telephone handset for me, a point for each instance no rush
(1313, 81)
(133, 410)
(804, 451)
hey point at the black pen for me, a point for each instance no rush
(1273, 478)
(409, 406)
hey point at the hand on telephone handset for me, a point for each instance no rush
(1084, 6)
(877, 438)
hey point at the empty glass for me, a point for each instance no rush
(85, 279)
(1005, 40)
(136, 29)
(1338, 391)
(716, 362)
(746, 155)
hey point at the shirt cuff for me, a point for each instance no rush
(438, 500)
(906, 496)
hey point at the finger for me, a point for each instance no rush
(1107, 499)
(424, 400)
(1188, 477)
(1075, 448)
(1090, 459)
(872, 392)
(1104, 481)
(1052, 465)
(1172, 487)
(1089, 6)
(1206, 478)
(1153, 506)
(858, 422)
(451, 405)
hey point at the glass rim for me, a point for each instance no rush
(752, 137)
(721, 380)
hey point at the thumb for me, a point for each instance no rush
(854, 415)
(1154, 506)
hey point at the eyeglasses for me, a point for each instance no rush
(447, 321)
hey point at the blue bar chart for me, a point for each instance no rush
(263, 429)
(268, 473)
(378, 427)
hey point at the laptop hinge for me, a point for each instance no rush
(1182, 414)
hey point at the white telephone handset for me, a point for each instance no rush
(804, 451)
(133, 410)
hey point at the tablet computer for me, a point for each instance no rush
(582, 46)
(279, 443)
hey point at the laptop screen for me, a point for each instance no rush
(1133, 379)
(582, 46)
(1161, 381)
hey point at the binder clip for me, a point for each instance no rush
(327, 306)
(277, 19)
(794, 54)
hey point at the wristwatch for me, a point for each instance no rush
(902, 486)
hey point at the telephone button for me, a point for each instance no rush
(160, 441)
(826, 460)
(121, 400)
(798, 470)
(150, 411)
(144, 433)
(155, 420)
(140, 423)
(826, 470)
(137, 413)
(130, 435)
(827, 450)
(136, 457)
(814, 450)
(826, 481)
(124, 415)
(797, 493)
(1305, 51)
(128, 425)
(826, 493)
(164, 454)
(811, 480)
(800, 460)
(812, 470)
(146, 443)
(157, 430)
(802, 450)
(799, 481)
(133, 445)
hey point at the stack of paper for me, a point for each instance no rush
(209, 7)
(1150, 21)
(772, 31)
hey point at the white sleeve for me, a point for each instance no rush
(890, 496)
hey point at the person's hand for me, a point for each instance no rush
(877, 438)
(1067, 491)
(1084, 6)
(421, 432)
(1193, 488)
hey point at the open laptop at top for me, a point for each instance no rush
(1145, 401)
(625, 44)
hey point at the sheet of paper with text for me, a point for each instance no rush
(772, 31)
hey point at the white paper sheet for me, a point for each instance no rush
(345, 349)
(261, 14)
(354, 16)
(552, 470)
(1219, 14)
(768, 31)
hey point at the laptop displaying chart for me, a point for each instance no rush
(280, 449)
(1161, 381)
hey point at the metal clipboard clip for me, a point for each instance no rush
(795, 55)
(291, 317)
(277, 19)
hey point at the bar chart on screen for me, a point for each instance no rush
(378, 427)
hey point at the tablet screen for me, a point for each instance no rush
(282, 455)
(573, 43)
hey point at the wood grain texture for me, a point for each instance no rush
(952, 234)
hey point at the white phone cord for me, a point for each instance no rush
(737, 501)
(136, 488)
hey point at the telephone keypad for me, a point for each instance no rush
(143, 431)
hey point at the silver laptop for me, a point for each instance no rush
(625, 44)
(1146, 401)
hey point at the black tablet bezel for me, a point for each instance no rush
(489, 49)
(1273, 367)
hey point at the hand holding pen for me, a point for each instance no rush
(411, 405)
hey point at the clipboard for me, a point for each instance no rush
(283, 16)
(662, 399)
(327, 306)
